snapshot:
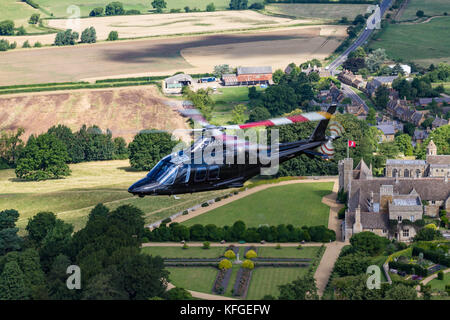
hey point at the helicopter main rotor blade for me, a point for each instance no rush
(304, 117)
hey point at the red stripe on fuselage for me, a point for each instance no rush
(264, 123)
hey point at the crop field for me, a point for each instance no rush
(429, 7)
(321, 11)
(195, 54)
(59, 7)
(296, 204)
(422, 43)
(91, 183)
(125, 111)
(151, 25)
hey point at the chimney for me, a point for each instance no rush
(357, 226)
(446, 178)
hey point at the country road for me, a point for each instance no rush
(359, 41)
(348, 91)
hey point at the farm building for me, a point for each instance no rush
(177, 82)
(249, 76)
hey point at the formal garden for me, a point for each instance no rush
(242, 272)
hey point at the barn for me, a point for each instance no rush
(249, 76)
(178, 81)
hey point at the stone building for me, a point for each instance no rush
(390, 206)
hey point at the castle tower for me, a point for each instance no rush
(345, 174)
(431, 149)
(357, 226)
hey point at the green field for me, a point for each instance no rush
(72, 198)
(296, 204)
(322, 11)
(446, 86)
(429, 7)
(19, 12)
(288, 252)
(440, 284)
(422, 43)
(265, 280)
(59, 7)
(198, 279)
(179, 252)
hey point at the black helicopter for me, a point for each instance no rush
(187, 171)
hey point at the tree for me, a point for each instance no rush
(354, 288)
(9, 240)
(96, 12)
(428, 234)
(211, 7)
(354, 64)
(404, 144)
(352, 264)
(371, 116)
(221, 69)
(34, 277)
(56, 242)
(279, 99)
(359, 19)
(147, 149)
(112, 36)
(89, 35)
(11, 145)
(34, 19)
(420, 14)
(40, 225)
(368, 242)
(258, 114)
(201, 99)
(178, 294)
(400, 291)
(159, 5)
(43, 158)
(26, 44)
(238, 4)
(6, 28)
(12, 283)
(375, 59)
(225, 264)
(21, 31)
(301, 289)
(238, 114)
(65, 38)
(103, 287)
(358, 53)
(381, 97)
(277, 76)
(114, 8)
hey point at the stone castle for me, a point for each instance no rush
(409, 190)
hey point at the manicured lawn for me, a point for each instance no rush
(296, 204)
(288, 252)
(179, 252)
(322, 11)
(440, 284)
(195, 278)
(423, 43)
(265, 280)
(90, 183)
(429, 7)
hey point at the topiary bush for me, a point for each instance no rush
(251, 254)
(225, 264)
(206, 245)
(230, 254)
(248, 264)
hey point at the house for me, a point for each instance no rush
(389, 206)
(439, 122)
(357, 110)
(249, 76)
(388, 132)
(176, 83)
(426, 101)
(347, 77)
(420, 135)
(398, 126)
(373, 84)
(400, 109)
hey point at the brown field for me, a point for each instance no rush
(124, 111)
(163, 56)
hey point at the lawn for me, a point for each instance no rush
(440, 284)
(322, 11)
(179, 252)
(429, 7)
(265, 280)
(59, 7)
(422, 43)
(296, 204)
(91, 183)
(288, 252)
(195, 278)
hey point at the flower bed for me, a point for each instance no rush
(242, 283)
(222, 279)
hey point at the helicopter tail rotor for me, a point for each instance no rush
(336, 130)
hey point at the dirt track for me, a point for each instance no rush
(151, 56)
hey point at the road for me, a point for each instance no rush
(359, 41)
(348, 91)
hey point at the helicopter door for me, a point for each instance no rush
(200, 174)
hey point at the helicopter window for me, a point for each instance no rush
(213, 173)
(169, 178)
(200, 174)
(188, 174)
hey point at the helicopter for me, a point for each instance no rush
(189, 171)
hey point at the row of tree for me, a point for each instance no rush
(69, 37)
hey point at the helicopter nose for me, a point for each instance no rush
(143, 186)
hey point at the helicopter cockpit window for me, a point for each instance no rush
(164, 172)
(169, 177)
(200, 174)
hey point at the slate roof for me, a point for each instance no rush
(254, 70)
(386, 129)
(369, 220)
(439, 159)
(179, 77)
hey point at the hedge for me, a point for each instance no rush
(432, 255)
(408, 268)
